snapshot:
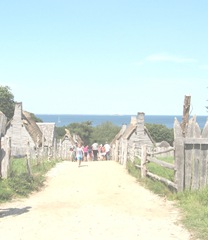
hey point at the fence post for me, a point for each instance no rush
(9, 149)
(1, 157)
(143, 161)
(185, 120)
(125, 152)
(179, 163)
(55, 149)
(28, 159)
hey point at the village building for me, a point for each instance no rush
(26, 134)
(129, 140)
(163, 147)
(4, 153)
(115, 143)
(48, 133)
(67, 143)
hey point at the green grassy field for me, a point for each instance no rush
(194, 205)
(20, 182)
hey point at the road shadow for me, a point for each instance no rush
(13, 211)
(83, 165)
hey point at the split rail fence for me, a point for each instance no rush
(150, 157)
(190, 158)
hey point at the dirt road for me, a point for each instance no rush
(98, 201)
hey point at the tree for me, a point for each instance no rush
(36, 119)
(105, 132)
(84, 130)
(160, 133)
(60, 132)
(6, 101)
(102, 133)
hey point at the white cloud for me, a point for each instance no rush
(169, 58)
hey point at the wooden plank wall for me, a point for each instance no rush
(191, 156)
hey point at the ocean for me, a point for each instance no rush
(65, 119)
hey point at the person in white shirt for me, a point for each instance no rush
(95, 150)
(107, 151)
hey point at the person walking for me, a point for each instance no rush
(79, 154)
(85, 149)
(90, 153)
(95, 150)
(102, 153)
(107, 151)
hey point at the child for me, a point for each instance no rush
(79, 154)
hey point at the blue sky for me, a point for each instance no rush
(105, 57)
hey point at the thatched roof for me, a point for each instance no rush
(163, 144)
(119, 134)
(129, 131)
(149, 135)
(131, 128)
(48, 131)
(68, 137)
(32, 128)
(77, 139)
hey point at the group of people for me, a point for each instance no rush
(94, 152)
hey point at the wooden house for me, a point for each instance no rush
(48, 133)
(68, 142)
(116, 142)
(4, 148)
(25, 134)
(130, 140)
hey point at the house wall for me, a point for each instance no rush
(3, 121)
(4, 148)
(5, 156)
(115, 144)
(19, 139)
(131, 141)
(18, 134)
(65, 151)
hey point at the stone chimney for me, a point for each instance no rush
(140, 122)
(18, 110)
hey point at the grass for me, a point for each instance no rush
(195, 209)
(155, 186)
(161, 171)
(20, 183)
(194, 204)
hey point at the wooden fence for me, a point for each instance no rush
(190, 158)
(147, 157)
(58, 151)
(191, 155)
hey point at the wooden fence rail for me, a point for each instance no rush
(147, 157)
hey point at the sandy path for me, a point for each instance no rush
(98, 201)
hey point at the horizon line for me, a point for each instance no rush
(108, 114)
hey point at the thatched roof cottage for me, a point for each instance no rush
(130, 140)
(25, 132)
